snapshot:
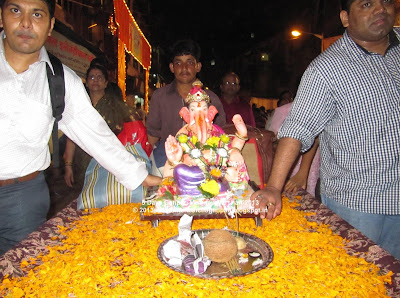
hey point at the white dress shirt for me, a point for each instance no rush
(26, 123)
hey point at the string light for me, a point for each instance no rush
(120, 40)
(147, 67)
(111, 25)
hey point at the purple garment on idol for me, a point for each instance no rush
(188, 178)
(223, 185)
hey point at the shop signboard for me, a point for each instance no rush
(73, 55)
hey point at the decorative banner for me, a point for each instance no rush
(130, 34)
(121, 67)
(71, 54)
(134, 41)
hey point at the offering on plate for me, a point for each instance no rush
(241, 243)
(220, 246)
(187, 251)
(213, 253)
(205, 170)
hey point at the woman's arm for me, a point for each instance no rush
(68, 161)
(299, 180)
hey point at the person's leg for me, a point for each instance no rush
(23, 208)
(390, 237)
(369, 224)
(382, 229)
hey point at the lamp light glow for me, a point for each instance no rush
(296, 33)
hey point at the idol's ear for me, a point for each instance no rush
(184, 113)
(212, 111)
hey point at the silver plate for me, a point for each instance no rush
(219, 270)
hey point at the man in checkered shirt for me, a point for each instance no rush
(349, 96)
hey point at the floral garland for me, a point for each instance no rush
(213, 169)
(167, 188)
(111, 253)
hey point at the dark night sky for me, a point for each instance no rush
(224, 27)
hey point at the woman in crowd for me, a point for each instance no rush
(305, 173)
(114, 111)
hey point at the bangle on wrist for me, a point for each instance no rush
(68, 163)
(173, 163)
(241, 137)
(234, 148)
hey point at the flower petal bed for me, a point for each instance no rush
(111, 253)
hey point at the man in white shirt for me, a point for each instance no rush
(26, 122)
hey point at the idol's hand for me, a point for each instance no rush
(173, 150)
(232, 174)
(235, 158)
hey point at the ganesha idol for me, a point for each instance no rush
(202, 159)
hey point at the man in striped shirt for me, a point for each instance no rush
(350, 97)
